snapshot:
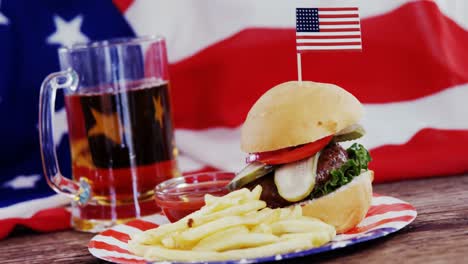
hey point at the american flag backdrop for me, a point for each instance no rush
(411, 76)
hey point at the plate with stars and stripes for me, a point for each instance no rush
(386, 215)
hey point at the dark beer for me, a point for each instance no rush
(122, 144)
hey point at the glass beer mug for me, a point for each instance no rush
(119, 125)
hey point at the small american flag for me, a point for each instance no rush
(336, 28)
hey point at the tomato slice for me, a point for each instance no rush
(291, 154)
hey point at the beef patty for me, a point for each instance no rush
(331, 157)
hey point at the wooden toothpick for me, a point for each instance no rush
(299, 68)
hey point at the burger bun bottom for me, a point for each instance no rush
(345, 207)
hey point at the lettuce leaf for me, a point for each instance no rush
(358, 159)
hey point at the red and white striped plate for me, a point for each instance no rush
(386, 215)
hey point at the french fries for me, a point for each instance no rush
(235, 241)
(299, 226)
(235, 226)
(208, 241)
(236, 210)
(199, 232)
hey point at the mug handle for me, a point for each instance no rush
(79, 191)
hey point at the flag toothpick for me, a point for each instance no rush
(327, 29)
(299, 68)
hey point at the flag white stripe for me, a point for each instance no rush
(327, 40)
(28, 208)
(347, 33)
(423, 115)
(329, 47)
(355, 12)
(338, 26)
(188, 164)
(347, 19)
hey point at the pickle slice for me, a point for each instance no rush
(296, 180)
(350, 133)
(249, 174)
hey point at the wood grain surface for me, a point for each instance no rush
(438, 235)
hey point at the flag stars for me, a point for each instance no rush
(307, 20)
(23, 182)
(3, 19)
(67, 33)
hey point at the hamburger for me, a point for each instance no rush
(292, 134)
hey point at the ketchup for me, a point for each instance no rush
(187, 198)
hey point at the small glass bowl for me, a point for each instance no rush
(181, 196)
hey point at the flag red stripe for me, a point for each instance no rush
(340, 23)
(329, 44)
(340, 30)
(39, 222)
(106, 246)
(418, 154)
(123, 5)
(339, 16)
(328, 37)
(338, 9)
(362, 229)
(385, 208)
(117, 235)
(142, 225)
(7, 226)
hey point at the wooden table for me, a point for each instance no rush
(438, 235)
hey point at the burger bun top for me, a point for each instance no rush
(295, 113)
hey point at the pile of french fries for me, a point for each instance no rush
(235, 226)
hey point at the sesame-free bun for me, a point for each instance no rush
(345, 207)
(294, 113)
